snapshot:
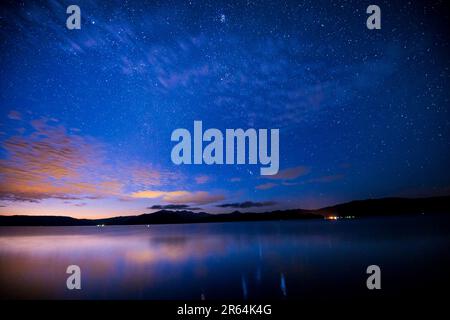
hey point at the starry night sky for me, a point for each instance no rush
(86, 115)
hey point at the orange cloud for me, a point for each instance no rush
(198, 197)
(152, 194)
(50, 163)
(53, 163)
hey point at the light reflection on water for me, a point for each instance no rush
(282, 260)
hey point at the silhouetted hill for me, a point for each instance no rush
(185, 216)
(43, 221)
(158, 217)
(389, 206)
(371, 207)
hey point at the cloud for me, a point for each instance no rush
(247, 204)
(202, 179)
(179, 197)
(183, 65)
(183, 78)
(80, 204)
(289, 184)
(266, 186)
(327, 179)
(50, 163)
(152, 194)
(144, 176)
(290, 173)
(286, 176)
(173, 207)
(15, 115)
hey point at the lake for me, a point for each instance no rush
(302, 259)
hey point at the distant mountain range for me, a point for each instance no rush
(362, 208)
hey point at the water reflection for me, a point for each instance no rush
(283, 285)
(210, 261)
(244, 288)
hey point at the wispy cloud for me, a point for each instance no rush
(202, 179)
(15, 115)
(266, 186)
(173, 207)
(142, 176)
(327, 179)
(80, 204)
(179, 197)
(51, 162)
(184, 77)
(247, 204)
(290, 173)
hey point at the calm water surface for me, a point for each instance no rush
(250, 260)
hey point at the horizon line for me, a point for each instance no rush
(236, 209)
